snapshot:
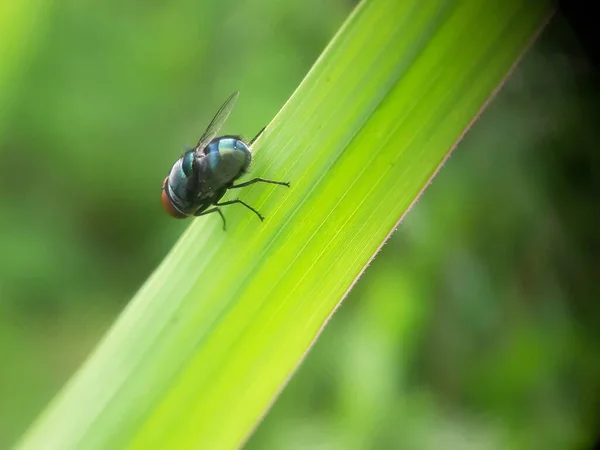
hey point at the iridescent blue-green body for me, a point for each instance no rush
(197, 182)
(202, 176)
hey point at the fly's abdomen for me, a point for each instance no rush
(226, 158)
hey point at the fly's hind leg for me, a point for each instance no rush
(257, 136)
(260, 180)
(212, 210)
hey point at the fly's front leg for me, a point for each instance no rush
(210, 211)
(231, 202)
(260, 180)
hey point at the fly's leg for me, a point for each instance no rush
(231, 202)
(212, 210)
(257, 136)
(260, 180)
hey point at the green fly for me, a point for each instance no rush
(200, 178)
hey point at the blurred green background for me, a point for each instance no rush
(475, 328)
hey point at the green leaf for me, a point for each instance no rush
(207, 343)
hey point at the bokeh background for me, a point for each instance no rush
(475, 328)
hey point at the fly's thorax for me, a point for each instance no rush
(177, 184)
(226, 158)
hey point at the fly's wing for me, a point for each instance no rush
(215, 125)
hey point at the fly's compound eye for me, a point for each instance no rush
(187, 163)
